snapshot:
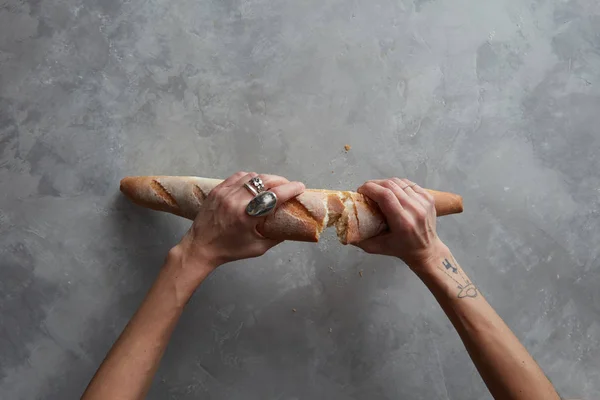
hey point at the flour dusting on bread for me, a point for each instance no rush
(303, 218)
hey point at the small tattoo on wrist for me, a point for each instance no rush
(448, 266)
(465, 287)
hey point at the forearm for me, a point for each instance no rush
(127, 371)
(507, 368)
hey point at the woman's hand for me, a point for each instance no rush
(410, 214)
(222, 231)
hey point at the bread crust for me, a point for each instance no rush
(303, 218)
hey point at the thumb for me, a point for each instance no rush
(261, 246)
(270, 243)
(372, 245)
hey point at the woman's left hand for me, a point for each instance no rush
(223, 231)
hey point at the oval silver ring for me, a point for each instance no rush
(262, 204)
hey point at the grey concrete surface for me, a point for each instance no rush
(496, 100)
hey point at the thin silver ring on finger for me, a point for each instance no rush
(251, 189)
(262, 204)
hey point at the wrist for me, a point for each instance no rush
(196, 255)
(190, 269)
(428, 262)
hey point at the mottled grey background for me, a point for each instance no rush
(496, 100)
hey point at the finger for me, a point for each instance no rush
(266, 243)
(380, 182)
(377, 181)
(239, 190)
(287, 191)
(414, 195)
(244, 178)
(388, 184)
(410, 197)
(399, 183)
(398, 188)
(270, 243)
(268, 181)
(408, 187)
(271, 181)
(232, 179)
(425, 195)
(385, 199)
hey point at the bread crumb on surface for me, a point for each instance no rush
(293, 310)
(347, 147)
(360, 273)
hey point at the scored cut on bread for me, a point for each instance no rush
(302, 218)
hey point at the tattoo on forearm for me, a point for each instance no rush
(448, 266)
(467, 291)
(465, 287)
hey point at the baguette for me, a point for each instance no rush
(303, 218)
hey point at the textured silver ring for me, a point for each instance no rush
(257, 183)
(262, 204)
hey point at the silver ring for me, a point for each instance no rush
(262, 204)
(257, 184)
(251, 189)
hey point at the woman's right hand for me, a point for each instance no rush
(410, 214)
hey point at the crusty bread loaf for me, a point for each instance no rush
(303, 218)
